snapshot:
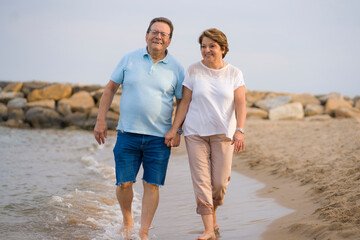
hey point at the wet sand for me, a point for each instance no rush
(244, 215)
(312, 167)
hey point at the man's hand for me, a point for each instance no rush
(100, 131)
(169, 138)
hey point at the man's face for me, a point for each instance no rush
(158, 41)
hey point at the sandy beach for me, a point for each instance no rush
(312, 167)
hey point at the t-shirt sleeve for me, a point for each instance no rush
(187, 81)
(180, 80)
(239, 81)
(118, 74)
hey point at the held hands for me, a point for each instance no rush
(238, 140)
(172, 139)
(100, 131)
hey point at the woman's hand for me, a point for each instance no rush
(238, 141)
(170, 138)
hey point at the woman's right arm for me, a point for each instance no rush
(180, 115)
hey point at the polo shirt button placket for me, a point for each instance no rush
(152, 69)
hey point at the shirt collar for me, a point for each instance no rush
(164, 60)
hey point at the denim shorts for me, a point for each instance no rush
(131, 150)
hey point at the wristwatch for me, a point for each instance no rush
(240, 130)
(179, 131)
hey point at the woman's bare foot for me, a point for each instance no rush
(216, 226)
(207, 236)
(126, 229)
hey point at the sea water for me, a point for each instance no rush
(59, 184)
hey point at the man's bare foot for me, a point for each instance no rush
(207, 236)
(144, 234)
(126, 229)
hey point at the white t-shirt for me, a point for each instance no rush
(211, 109)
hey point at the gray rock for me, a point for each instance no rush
(347, 113)
(5, 97)
(275, 94)
(357, 102)
(324, 98)
(75, 119)
(80, 102)
(111, 124)
(110, 115)
(271, 103)
(43, 118)
(13, 87)
(3, 112)
(256, 113)
(336, 103)
(112, 119)
(89, 124)
(291, 111)
(63, 108)
(28, 87)
(15, 124)
(93, 112)
(16, 114)
(314, 109)
(97, 95)
(304, 99)
(17, 103)
(42, 103)
(254, 96)
(3, 84)
(87, 88)
(115, 105)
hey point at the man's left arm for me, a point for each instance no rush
(176, 140)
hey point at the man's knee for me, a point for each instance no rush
(124, 186)
(151, 187)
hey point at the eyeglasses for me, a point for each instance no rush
(155, 33)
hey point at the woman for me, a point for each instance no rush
(214, 105)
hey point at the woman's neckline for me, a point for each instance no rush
(212, 69)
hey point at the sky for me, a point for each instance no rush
(292, 46)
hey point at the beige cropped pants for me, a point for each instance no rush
(210, 160)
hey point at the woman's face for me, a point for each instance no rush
(211, 50)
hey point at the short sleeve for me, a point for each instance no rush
(239, 81)
(187, 81)
(118, 74)
(180, 80)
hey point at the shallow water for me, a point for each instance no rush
(58, 184)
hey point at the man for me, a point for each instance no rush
(150, 78)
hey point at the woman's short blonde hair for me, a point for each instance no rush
(217, 36)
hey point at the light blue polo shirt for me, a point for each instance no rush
(148, 91)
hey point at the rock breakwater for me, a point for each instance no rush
(39, 104)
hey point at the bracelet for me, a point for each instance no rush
(240, 130)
